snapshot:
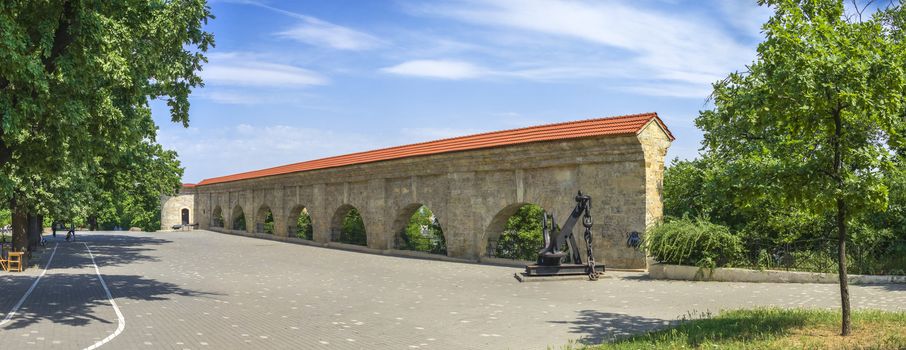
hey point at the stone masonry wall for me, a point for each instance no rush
(171, 209)
(472, 193)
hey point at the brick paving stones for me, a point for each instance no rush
(205, 290)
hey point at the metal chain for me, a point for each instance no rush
(587, 222)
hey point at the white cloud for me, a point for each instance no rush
(670, 89)
(234, 69)
(557, 40)
(317, 32)
(229, 98)
(245, 147)
(440, 69)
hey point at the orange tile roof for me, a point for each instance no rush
(611, 126)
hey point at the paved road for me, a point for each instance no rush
(205, 290)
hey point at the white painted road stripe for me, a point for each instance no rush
(12, 312)
(119, 315)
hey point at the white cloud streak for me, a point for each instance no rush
(439, 69)
(233, 69)
(604, 39)
(317, 32)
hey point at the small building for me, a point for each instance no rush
(178, 210)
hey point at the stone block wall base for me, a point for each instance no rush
(692, 273)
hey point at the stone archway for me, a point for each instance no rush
(348, 226)
(264, 220)
(217, 217)
(238, 219)
(515, 233)
(417, 228)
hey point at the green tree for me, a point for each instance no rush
(75, 80)
(353, 228)
(812, 122)
(239, 222)
(269, 222)
(5, 217)
(130, 187)
(304, 229)
(218, 218)
(423, 233)
(522, 237)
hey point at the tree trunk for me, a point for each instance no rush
(841, 221)
(32, 232)
(20, 227)
(841, 261)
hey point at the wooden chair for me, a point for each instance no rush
(3, 258)
(15, 261)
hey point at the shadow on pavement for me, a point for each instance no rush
(114, 249)
(71, 293)
(894, 287)
(79, 299)
(595, 327)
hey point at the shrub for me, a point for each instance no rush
(693, 242)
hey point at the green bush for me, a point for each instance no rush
(304, 229)
(693, 242)
(522, 237)
(353, 229)
(423, 233)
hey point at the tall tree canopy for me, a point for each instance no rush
(75, 80)
(815, 121)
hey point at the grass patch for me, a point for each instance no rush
(774, 329)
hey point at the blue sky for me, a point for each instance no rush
(291, 81)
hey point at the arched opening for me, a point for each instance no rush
(185, 216)
(418, 229)
(239, 219)
(515, 233)
(347, 226)
(217, 217)
(300, 223)
(264, 220)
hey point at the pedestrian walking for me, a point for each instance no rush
(71, 233)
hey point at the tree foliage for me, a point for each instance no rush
(75, 80)
(352, 230)
(304, 228)
(239, 222)
(694, 242)
(423, 233)
(128, 194)
(268, 225)
(5, 217)
(522, 237)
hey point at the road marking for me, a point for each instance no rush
(119, 315)
(12, 312)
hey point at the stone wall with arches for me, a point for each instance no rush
(470, 192)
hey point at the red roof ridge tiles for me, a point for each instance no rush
(610, 126)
